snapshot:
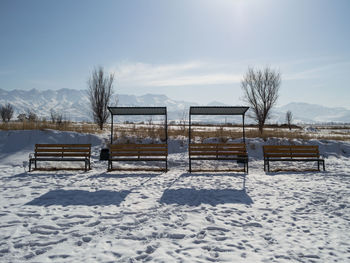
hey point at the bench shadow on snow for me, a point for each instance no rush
(79, 197)
(195, 197)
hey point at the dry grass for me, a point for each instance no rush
(45, 125)
(157, 133)
(224, 133)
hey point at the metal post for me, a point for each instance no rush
(189, 129)
(112, 129)
(166, 127)
(243, 129)
(189, 141)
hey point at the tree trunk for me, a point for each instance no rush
(261, 128)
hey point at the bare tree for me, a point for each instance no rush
(6, 112)
(260, 88)
(183, 120)
(56, 117)
(289, 118)
(100, 90)
(21, 117)
(53, 116)
(31, 116)
(3, 113)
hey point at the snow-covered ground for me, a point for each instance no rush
(95, 216)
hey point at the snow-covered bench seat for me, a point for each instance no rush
(138, 152)
(218, 151)
(291, 153)
(61, 152)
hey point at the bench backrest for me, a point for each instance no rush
(63, 150)
(291, 151)
(217, 149)
(139, 150)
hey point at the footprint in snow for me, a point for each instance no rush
(176, 236)
(86, 239)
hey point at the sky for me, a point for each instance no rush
(192, 50)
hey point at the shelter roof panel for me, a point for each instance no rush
(137, 110)
(218, 110)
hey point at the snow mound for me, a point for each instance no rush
(15, 146)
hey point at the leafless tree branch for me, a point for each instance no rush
(100, 90)
(6, 112)
(260, 88)
(289, 118)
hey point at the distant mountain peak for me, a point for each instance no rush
(216, 103)
(75, 105)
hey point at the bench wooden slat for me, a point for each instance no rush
(291, 152)
(117, 146)
(138, 154)
(62, 155)
(63, 150)
(216, 150)
(305, 155)
(63, 145)
(219, 153)
(217, 144)
(138, 150)
(128, 159)
(60, 159)
(214, 147)
(290, 146)
(291, 155)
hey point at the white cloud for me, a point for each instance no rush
(171, 75)
(194, 73)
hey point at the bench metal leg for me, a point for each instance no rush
(324, 168)
(110, 167)
(190, 167)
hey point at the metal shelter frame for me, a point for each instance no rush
(139, 111)
(215, 152)
(216, 110)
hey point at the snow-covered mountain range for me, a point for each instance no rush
(74, 105)
(313, 113)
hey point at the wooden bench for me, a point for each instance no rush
(291, 153)
(214, 151)
(61, 152)
(138, 152)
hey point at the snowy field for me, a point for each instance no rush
(95, 216)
